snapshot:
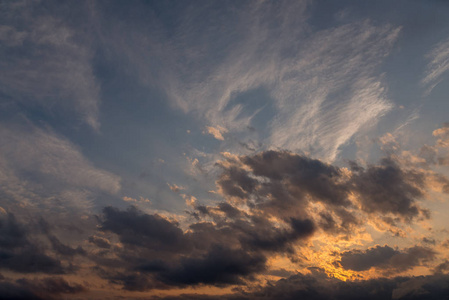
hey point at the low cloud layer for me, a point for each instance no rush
(276, 204)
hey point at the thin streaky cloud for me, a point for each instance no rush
(438, 65)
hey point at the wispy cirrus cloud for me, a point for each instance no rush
(320, 92)
(438, 65)
(47, 63)
(36, 164)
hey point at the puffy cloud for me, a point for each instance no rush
(151, 231)
(388, 188)
(386, 259)
(175, 188)
(218, 254)
(232, 248)
(275, 202)
(283, 184)
(220, 265)
(216, 132)
(22, 252)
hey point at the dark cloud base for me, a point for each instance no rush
(320, 287)
(265, 212)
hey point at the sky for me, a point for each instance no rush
(224, 149)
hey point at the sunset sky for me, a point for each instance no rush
(224, 149)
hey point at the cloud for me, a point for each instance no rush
(315, 92)
(12, 234)
(322, 287)
(22, 252)
(46, 62)
(438, 65)
(227, 251)
(442, 268)
(151, 231)
(19, 254)
(386, 259)
(216, 132)
(100, 241)
(387, 188)
(220, 265)
(63, 249)
(276, 203)
(175, 188)
(46, 288)
(32, 157)
(140, 200)
(284, 184)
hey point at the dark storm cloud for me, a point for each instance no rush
(21, 254)
(387, 188)
(136, 228)
(220, 266)
(133, 281)
(52, 285)
(281, 183)
(12, 291)
(305, 175)
(254, 231)
(385, 258)
(278, 240)
(236, 182)
(30, 260)
(228, 251)
(47, 288)
(12, 234)
(321, 287)
(215, 248)
(63, 249)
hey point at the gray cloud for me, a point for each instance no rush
(100, 241)
(232, 249)
(46, 288)
(151, 231)
(45, 62)
(37, 165)
(283, 184)
(386, 259)
(387, 188)
(321, 287)
(22, 254)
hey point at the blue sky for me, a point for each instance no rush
(176, 107)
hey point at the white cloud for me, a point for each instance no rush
(438, 65)
(324, 85)
(216, 132)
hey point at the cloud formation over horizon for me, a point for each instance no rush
(224, 150)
